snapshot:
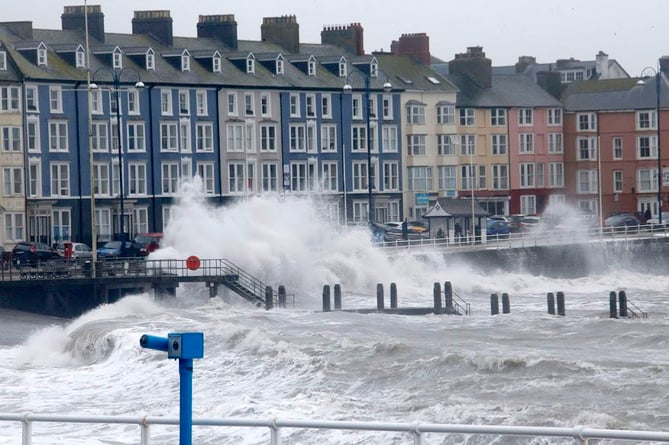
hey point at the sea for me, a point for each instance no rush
(526, 367)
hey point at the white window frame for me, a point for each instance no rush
(166, 108)
(60, 179)
(204, 132)
(137, 179)
(58, 136)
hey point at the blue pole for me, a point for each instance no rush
(185, 401)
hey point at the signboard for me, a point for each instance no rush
(422, 199)
(665, 177)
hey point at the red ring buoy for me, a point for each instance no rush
(193, 262)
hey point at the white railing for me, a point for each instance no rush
(415, 431)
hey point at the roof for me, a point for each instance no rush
(451, 207)
(614, 94)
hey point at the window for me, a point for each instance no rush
(311, 67)
(150, 60)
(646, 120)
(140, 219)
(617, 144)
(525, 116)
(3, 60)
(587, 150)
(498, 117)
(297, 136)
(32, 98)
(526, 174)
(343, 71)
(184, 136)
(528, 204)
(236, 177)
(14, 227)
(32, 134)
(11, 139)
(555, 174)
(372, 108)
(389, 139)
(500, 177)
(445, 144)
(9, 99)
(294, 104)
(498, 144)
(184, 102)
(117, 59)
(170, 177)
(416, 145)
(356, 106)
(467, 144)
(647, 147)
(387, 107)
(137, 179)
(482, 177)
(586, 181)
(526, 142)
(100, 136)
(101, 179)
(467, 117)
(55, 100)
(554, 116)
(136, 138)
(265, 104)
(280, 66)
(617, 181)
(204, 137)
(358, 138)
(235, 133)
(586, 121)
(168, 136)
(232, 104)
(391, 176)
(133, 101)
(329, 176)
(310, 105)
(116, 177)
(185, 62)
(60, 179)
(12, 178)
(268, 137)
(448, 179)
(416, 114)
(201, 103)
(328, 138)
(166, 102)
(41, 55)
(103, 223)
(250, 64)
(646, 180)
(555, 143)
(360, 171)
(216, 64)
(298, 176)
(58, 136)
(205, 170)
(446, 114)
(467, 177)
(270, 175)
(34, 178)
(419, 178)
(249, 105)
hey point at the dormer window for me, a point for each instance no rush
(3, 60)
(150, 60)
(185, 61)
(41, 55)
(311, 66)
(374, 68)
(280, 67)
(342, 68)
(250, 64)
(81, 58)
(216, 63)
(117, 59)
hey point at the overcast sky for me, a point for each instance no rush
(635, 34)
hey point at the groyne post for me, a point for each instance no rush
(326, 298)
(622, 303)
(550, 300)
(560, 303)
(613, 307)
(213, 289)
(506, 304)
(436, 296)
(393, 295)
(494, 304)
(282, 296)
(448, 297)
(269, 298)
(337, 297)
(379, 297)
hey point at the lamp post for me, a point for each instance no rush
(348, 88)
(116, 82)
(94, 236)
(657, 73)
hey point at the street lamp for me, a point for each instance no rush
(348, 88)
(116, 81)
(658, 74)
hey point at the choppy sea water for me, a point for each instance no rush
(522, 368)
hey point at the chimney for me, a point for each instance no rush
(284, 31)
(602, 65)
(156, 24)
(23, 30)
(417, 46)
(664, 65)
(348, 37)
(473, 64)
(220, 27)
(524, 62)
(74, 19)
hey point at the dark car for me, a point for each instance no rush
(497, 229)
(112, 249)
(624, 222)
(145, 243)
(32, 254)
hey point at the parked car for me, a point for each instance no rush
(32, 254)
(654, 222)
(112, 249)
(623, 222)
(145, 243)
(531, 222)
(80, 251)
(497, 228)
(516, 222)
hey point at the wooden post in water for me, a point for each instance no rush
(326, 298)
(213, 289)
(337, 297)
(448, 297)
(550, 300)
(393, 295)
(613, 308)
(494, 304)
(506, 304)
(379, 297)
(560, 303)
(282, 296)
(269, 298)
(622, 302)
(436, 295)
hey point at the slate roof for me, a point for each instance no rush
(444, 207)
(615, 94)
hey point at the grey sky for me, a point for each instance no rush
(632, 33)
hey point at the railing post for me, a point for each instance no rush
(26, 431)
(275, 434)
(145, 438)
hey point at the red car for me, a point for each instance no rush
(145, 243)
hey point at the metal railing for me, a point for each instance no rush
(460, 305)
(416, 432)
